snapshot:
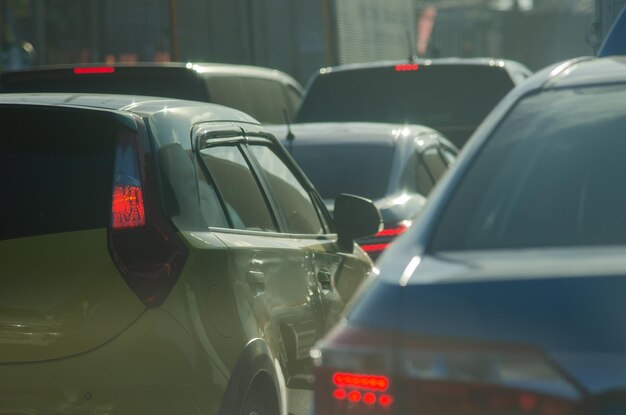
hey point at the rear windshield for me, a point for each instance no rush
(158, 82)
(56, 170)
(551, 175)
(438, 96)
(362, 170)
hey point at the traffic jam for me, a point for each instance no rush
(409, 207)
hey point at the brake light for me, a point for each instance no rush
(372, 246)
(404, 67)
(143, 244)
(94, 70)
(377, 372)
(128, 209)
(395, 230)
(357, 388)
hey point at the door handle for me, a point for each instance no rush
(325, 279)
(256, 280)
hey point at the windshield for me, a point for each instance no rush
(362, 170)
(551, 175)
(440, 96)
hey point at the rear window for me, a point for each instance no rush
(438, 96)
(551, 175)
(362, 170)
(159, 82)
(56, 170)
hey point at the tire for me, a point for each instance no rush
(260, 400)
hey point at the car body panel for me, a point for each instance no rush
(67, 300)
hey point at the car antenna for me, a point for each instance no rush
(411, 46)
(290, 137)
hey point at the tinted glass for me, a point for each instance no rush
(238, 187)
(438, 96)
(56, 170)
(210, 206)
(293, 198)
(160, 82)
(362, 169)
(551, 175)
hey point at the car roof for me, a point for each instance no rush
(199, 67)
(142, 105)
(482, 61)
(587, 70)
(353, 133)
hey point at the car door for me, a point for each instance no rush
(276, 295)
(333, 276)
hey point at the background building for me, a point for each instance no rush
(296, 36)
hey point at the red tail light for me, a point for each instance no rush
(358, 388)
(379, 242)
(94, 70)
(128, 209)
(374, 372)
(142, 242)
(404, 67)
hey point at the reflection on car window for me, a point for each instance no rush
(210, 206)
(551, 175)
(293, 198)
(244, 201)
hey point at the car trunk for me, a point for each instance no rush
(61, 291)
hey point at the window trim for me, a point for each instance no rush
(264, 138)
(206, 137)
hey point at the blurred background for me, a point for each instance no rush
(295, 36)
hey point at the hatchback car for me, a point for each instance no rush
(161, 256)
(451, 95)
(396, 166)
(263, 93)
(507, 296)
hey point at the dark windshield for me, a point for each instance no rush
(56, 170)
(362, 170)
(551, 175)
(441, 96)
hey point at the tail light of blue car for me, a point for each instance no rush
(375, 372)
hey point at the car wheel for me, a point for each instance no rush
(260, 400)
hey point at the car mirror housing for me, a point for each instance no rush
(355, 217)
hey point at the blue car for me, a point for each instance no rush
(507, 296)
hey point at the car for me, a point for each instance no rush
(394, 165)
(506, 296)
(450, 95)
(265, 94)
(161, 256)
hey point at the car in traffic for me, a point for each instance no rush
(396, 166)
(161, 256)
(265, 94)
(450, 95)
(506, 297)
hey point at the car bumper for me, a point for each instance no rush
(153, 367)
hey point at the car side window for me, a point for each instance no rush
(434, 163)
(292, 197)
(210, 206)
(448, 155)
(243, 199)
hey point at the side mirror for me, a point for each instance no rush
(355, 217)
